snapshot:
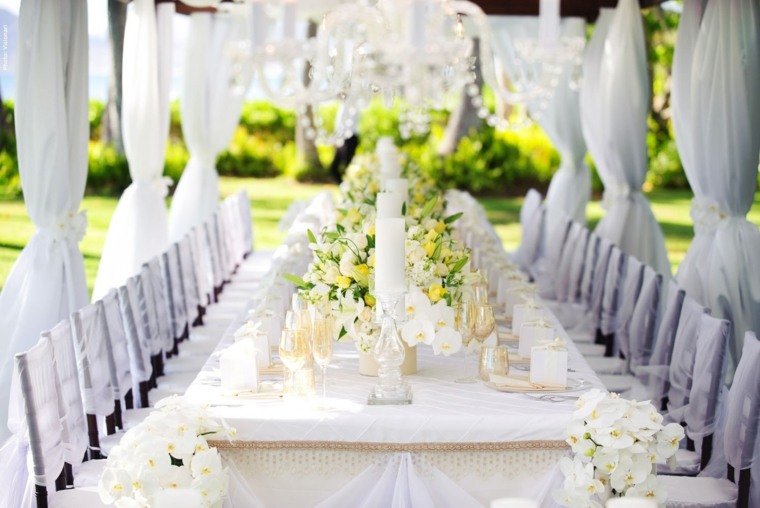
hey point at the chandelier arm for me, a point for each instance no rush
(479, 18)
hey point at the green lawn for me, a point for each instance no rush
(271, 197)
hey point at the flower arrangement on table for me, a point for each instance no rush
(437, 265)
(167, 451)
(617, 444)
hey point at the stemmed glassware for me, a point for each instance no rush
(322, 345)
(464, 320)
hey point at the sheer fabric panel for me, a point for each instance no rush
(138, 230)
(717, 124)
(47, 281)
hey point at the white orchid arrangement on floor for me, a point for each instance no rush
(168, 450)
(616, 445)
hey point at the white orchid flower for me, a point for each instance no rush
(418, 330)
(447, 341)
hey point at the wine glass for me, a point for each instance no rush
(464, 321)
(481, 293)
(322, 346)
(484, 321)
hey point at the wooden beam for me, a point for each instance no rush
(588, 9)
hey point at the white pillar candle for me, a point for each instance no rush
(548, 23)
(514, 502)
(631, 502)
(390, 255)
(389, 205)
(259, 29)
(399, 186)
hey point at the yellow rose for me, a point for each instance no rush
(436, 292)
(373, 188)
(371, 260)
(363, 269)
(429, 248)
(369, 300)
(419, 198)
(440, 227)
(343, 281)
(445, 253)
(354, 216)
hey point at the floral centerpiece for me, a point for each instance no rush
(437, 268)
(617, 444)
(167, 451)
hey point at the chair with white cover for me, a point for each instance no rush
(204, 270)
(170, 270)
(585, 330)
(618, 363)
(604, 336)
(193, 305)
(137, 342)
(644, 329)
(545, 271)
(211, 239)
(740, 489)
(246, 222)
(569, 271)
(91, 348)
(73, 415)
(703, 371)
(43, 405)
(571, 314)
(532, 215)
(121, 374)
(162, 304)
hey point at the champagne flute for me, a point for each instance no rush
(484, 322)
(294, 349)
(464, 321)
(322, 346)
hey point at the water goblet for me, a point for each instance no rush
(464, 321)
(322, 346)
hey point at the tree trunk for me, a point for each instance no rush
(306, 149)
(465, 117)
(111, 124)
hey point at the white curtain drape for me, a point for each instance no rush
(210, 112)
(614, 107)
(716, 117)
(138, 229)
(47, 282)
(570, 186)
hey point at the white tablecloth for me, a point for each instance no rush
(456, 445)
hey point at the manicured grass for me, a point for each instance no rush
(270, 198)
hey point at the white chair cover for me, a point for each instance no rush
(654, 374)
(47, 281)
(589, 262)
(577, 266)
(121, 380)
(148, 322)
(93, 359)
(210, 113)
(701, 413)
(531, 225)
(570, 187)
(743, 414)
(643, 327)
(681, 371)
(189, 281)
(204, 271)
(42, 404)
(172, 275)
(208, 232)
(717, 120)
(138, 230)
(72, 413)
(614, 108)
(137, 342)
(634, 278)
(546, 272)
(244, 210)
(613, 286)
(160, 303)
(599, 278)
(573, 243)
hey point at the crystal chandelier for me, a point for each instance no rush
(416, 53)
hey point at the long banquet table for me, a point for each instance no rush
(456, 445)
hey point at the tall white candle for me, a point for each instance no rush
(399, 186)
(390, 255)
(259, 19)
(389, 205)
(548, 23)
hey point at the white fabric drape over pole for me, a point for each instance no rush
(210, 112)
(716, 107)
(138, 229)
(570, 186)
(614, 106)
(47, 282)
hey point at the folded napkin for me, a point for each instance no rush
(520, 383)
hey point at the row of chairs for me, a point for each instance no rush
(647, 339)
(103, 364)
